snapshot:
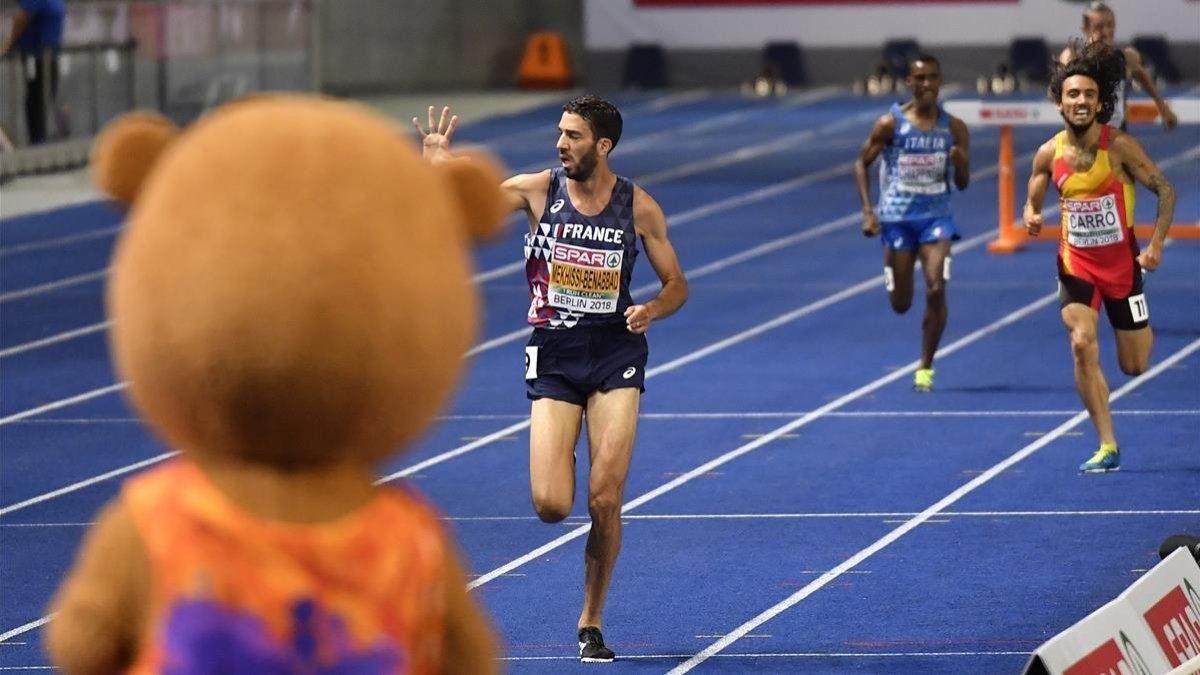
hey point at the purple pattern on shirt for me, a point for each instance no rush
(204, 637)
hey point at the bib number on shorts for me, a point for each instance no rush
(1138, 308)
(531, 356)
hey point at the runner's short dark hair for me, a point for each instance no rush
(602, 116)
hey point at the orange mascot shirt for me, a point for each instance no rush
(234, 593)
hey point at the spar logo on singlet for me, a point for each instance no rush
(1093, 222)
(1111, 659)
(1175, 622)
(585, 279)
(922, 174)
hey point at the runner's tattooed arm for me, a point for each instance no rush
(1141, 168)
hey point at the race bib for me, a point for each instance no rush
(584, 279)
(531, 365)
(1138, 309)
(1092, 222)
(923, 174)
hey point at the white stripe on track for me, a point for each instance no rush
(53, 285)
(73, 487)
(63, 403)
(780, 655)
(933, 510)
(26, 628)
(575, 520)
(55, 339)
(770, 436)
(57, 242)
(788, 414)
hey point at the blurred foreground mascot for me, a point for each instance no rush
(292, 301)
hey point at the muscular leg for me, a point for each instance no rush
(612, 423)
(933, 259)
(554, 428)
(1133, 350)
(1081, 320)
(900, 288)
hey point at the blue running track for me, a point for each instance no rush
(788, 489)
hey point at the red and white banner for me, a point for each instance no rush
(749, 24)
(699, 3)
(1152, 628)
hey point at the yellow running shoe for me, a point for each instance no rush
(923, 380)
(1106, 459)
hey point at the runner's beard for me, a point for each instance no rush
(584, 167)
(1078, 129)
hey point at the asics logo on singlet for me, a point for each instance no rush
(629, 372)
(557, 206)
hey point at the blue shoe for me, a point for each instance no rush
(1106, 459)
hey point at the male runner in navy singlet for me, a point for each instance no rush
(588, 349)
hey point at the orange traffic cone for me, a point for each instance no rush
(545, 63)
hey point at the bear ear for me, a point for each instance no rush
(127, 149)
(474, 180)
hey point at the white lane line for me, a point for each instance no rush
(737, 338)
(85, 483)
(934, 510)
(767, 192)
(788, 414)
(519, 426)
(53, 285)
(697, 273)
(874, 515)
(674, 220)
(744, 154)
(57, 242)
(705, 125)
(773, 516)
(858, 288)
(782, 655)
(725, 159)
(779, 431)
(63, 403)
(26, 628)
(56, 339)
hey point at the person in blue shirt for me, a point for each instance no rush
(921, 143)
(37, 31)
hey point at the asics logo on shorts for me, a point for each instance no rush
(629, 372)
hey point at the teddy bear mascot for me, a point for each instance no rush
(292, 301)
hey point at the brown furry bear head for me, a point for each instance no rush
(293, 285)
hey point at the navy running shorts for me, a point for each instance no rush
(569, 364)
